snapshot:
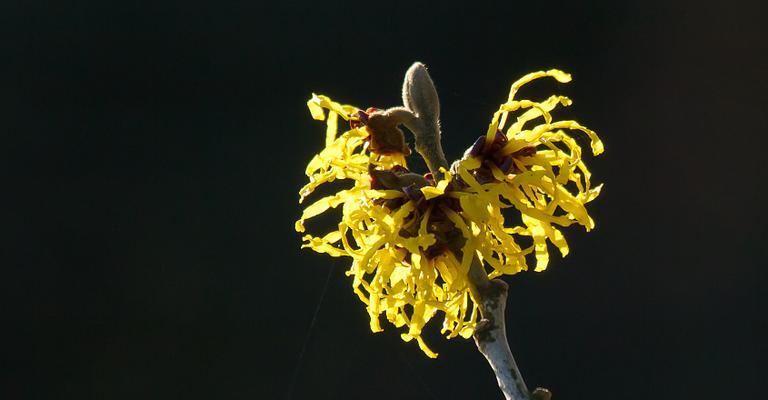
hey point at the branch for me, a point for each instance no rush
(491, 335)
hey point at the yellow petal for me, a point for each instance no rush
(332, 126)
(425, 349)
(315, 109)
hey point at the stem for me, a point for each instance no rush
(491, 335)
(427, 136)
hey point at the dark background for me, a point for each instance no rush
(152, 153)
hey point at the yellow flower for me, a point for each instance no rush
(412, 239)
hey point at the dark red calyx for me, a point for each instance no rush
(484, 175)
(499, 140)
(384, 136)
(477, 148)
(506, 164)
(525, 152)
(399, 169)
(358, 119)
(453, 203)
(395, 178)
(435, 250)
(413, 192)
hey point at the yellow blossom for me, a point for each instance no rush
(412, 246)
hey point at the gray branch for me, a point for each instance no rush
(491, 335)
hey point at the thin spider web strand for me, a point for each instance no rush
(297, 368)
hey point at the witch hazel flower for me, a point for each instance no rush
(427, 245)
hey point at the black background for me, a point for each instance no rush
(152, 153)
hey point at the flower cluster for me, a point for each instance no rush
(412, 237)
